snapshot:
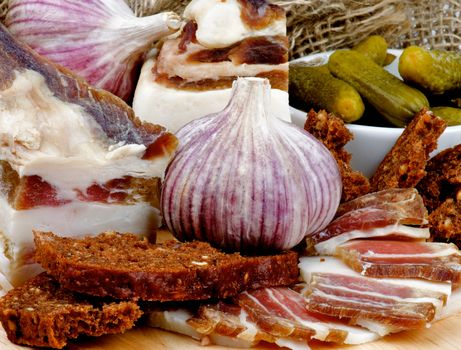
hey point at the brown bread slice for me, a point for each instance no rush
(404, 165)
(41, 313)
(333, 133)
(124, 266)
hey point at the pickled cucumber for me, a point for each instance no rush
(451, 115)
(436, 71)
(389, 59)
(374, 47)
(316, 87)
(396, 101)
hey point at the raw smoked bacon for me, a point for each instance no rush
(381, 214)
(396, 259)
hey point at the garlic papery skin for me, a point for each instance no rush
(242, 179)
(100, 40)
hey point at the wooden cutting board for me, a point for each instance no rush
(444, 335)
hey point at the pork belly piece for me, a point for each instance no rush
(273, 315)
(284, 311)
(428, 260)
(404, 165)
(73, 159)
(222, 323)
(383, 305)
(192, 74)
(333, 133)
(381, 214)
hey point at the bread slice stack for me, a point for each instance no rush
(92, 286)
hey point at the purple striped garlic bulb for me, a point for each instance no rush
(100, 40)
(243, 180)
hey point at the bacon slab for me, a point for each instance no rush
(381, 214)
(382, 305)
(395, 259)
(73, 159)
(284, 311)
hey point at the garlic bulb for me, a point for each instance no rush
(244, 180)
(101, 40)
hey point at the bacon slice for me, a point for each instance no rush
(428, 260)
(379, 214)
(358, 298)
(406, 200)
(382, 305)
(222, 323)
(73, 158)
(275, 308)
(228, 320)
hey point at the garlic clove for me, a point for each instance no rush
(101, 40)
(243, 179)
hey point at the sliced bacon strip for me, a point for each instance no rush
(363, 223)
(382, 305)
(228, 320)
(266, 311)
(273, 308)
(379, 214)
(396, 259)
(405, 200)
(362, 299)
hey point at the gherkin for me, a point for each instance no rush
(434, 70)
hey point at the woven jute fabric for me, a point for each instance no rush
(320, 25)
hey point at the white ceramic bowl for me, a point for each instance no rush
(371, 143)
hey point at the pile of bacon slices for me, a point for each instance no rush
(373, 274)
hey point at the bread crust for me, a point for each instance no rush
(124, 267)
(332, 132)
(41, 313)
(403, 166)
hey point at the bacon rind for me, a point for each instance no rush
(258, 14)
(115, 119)
(394, 259)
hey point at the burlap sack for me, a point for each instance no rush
(320, 25)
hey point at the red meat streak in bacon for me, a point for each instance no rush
(35, 192)
(397, 259)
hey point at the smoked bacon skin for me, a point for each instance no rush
(116, 121)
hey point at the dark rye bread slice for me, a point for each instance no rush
(124, 266)
(41, 313)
